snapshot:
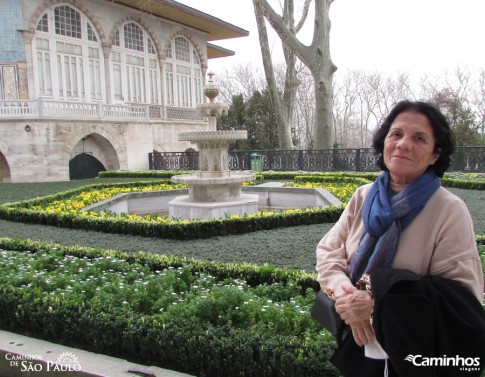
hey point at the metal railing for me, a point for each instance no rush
(42, 108)
(470, 159)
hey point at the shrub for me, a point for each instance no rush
(165, 311)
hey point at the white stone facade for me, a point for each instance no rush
(64, 94)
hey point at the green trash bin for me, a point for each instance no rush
(256, 162)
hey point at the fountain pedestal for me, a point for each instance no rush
(214, 191)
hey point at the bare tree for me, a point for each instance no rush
(315, 56)
(462, 98)
(304, 115)
(283, 104)
(479, 103)
(361, 101)
(241, 79)
(345, 110)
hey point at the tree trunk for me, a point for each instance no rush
(281, 108)
(323, 130)
(317, 58)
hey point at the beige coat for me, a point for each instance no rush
(440, 241)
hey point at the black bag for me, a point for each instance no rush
(323, 311)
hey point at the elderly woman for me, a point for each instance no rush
(403, 222)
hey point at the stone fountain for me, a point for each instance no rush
(214, 190)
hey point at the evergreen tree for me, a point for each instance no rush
(257, 117)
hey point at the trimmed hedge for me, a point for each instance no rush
(331, 178)
(463, 184)
(174, 230)
(204, 348)
(470, 184)
(20, 211)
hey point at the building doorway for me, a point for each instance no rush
(84, 166)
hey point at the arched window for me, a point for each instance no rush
(134, 66)
(183, 75)
(67, 56)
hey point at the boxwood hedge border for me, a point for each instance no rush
(20, 212)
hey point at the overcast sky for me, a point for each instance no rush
(416, 36)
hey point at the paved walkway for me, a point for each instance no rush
(29, 357)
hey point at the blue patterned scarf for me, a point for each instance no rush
(385, 217)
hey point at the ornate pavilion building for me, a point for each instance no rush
(91, 85)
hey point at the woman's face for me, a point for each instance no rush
(409, 147)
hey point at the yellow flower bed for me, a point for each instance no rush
(75, 204)
(342, 191)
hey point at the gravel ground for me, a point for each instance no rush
(286, 247)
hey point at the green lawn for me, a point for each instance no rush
(287, 247)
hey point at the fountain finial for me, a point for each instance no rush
(211, 89)
(212, 109)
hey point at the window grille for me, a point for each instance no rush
(133, 37)
(116, 39)
(67, 68)
(183, 75)
(182, 49)
(43, 24)
(91, 34)
(135, 72)
(195, 58)
(151, 49)
(67, 22)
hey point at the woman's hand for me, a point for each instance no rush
(363, 333)
(355, 308)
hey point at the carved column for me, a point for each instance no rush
(107, 74)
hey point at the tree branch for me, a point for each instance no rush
(304, 15)
(278, 24)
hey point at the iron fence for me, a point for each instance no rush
(468, 159)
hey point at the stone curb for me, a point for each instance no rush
(29, 357)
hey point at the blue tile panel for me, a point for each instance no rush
(11, 45)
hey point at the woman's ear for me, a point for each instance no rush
(436, 155)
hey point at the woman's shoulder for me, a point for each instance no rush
(445, 200)
(444, 194)
(361, 192)
(364, 189)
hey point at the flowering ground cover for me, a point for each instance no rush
(110, 282)
(107, 282)
(238, 320)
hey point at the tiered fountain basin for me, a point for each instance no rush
(213, 194)
(214, 191)
(203, 136)
(270, 196)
